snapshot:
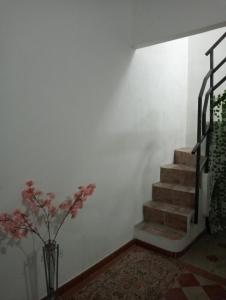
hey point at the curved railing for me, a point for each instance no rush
(203, 128)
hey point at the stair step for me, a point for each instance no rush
(172, 193)
(178, 174)
(174, 216)
(169, 208)
(167, 222)
(184, 156)
(163, 237)
(160, 230)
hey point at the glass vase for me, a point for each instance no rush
(51, 262)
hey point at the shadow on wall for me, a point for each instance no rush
(31, 276)
(30, 263)
(139, 149)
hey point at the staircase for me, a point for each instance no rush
(168, 218)
(175, 216)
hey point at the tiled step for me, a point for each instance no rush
(173, 216)
(174, 194)
(168, 218)
(178, 174)
(166, 238)
(183, 156)
(160, 230)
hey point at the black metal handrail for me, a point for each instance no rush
(198, 145)
(216, 44)
(204, 131)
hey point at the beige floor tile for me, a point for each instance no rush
(195, 293)
(203, 280)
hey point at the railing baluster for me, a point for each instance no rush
(197, 183)
(199, 130)
(210, 108)
(211, 86)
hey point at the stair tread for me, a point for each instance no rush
(170, 208)
(161, 230)
(185, 149)
(179, 167)
(188, 151)
(175, 187)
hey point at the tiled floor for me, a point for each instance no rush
(213, 258)
(190, 286)
(206, 257)
(198, 275)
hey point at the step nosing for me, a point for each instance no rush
(179, 167)
(175, 187)
(184, 149)
(161, 230)
(169, 208)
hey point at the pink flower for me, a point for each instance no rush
(17, 212)
(51, 195)
(53, 211)
(47, 203)
(26, 195)
(24, 233)
(80, 204)
(29, 183)
(4, 217)
(18, 217)
(85, 191)
(40, 206)
(80, 195)
(31, 190)
(34, 206)
(16, 225)
(65, 205)
(74, 212)
(38, 193)
(90, 189)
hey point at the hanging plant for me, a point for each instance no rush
(217, 215)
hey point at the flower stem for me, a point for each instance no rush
(46, 215)
(64, 218)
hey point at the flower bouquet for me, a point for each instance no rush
(40, 209)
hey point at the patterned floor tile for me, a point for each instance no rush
(175, 293)
(190, 286)
(215, 292)
(195, 293)
(204, 281)
(213, 259)
(188, 279)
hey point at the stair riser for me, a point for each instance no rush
(172, 220)
(177, 222)
(184, 158)
(183, 177)
(175, 197)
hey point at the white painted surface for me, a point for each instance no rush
(198, 66)
(205, 194)
(159, 20)
(78, 105)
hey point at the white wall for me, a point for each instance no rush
(159, 20)
(78, 106)
(198, 66)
